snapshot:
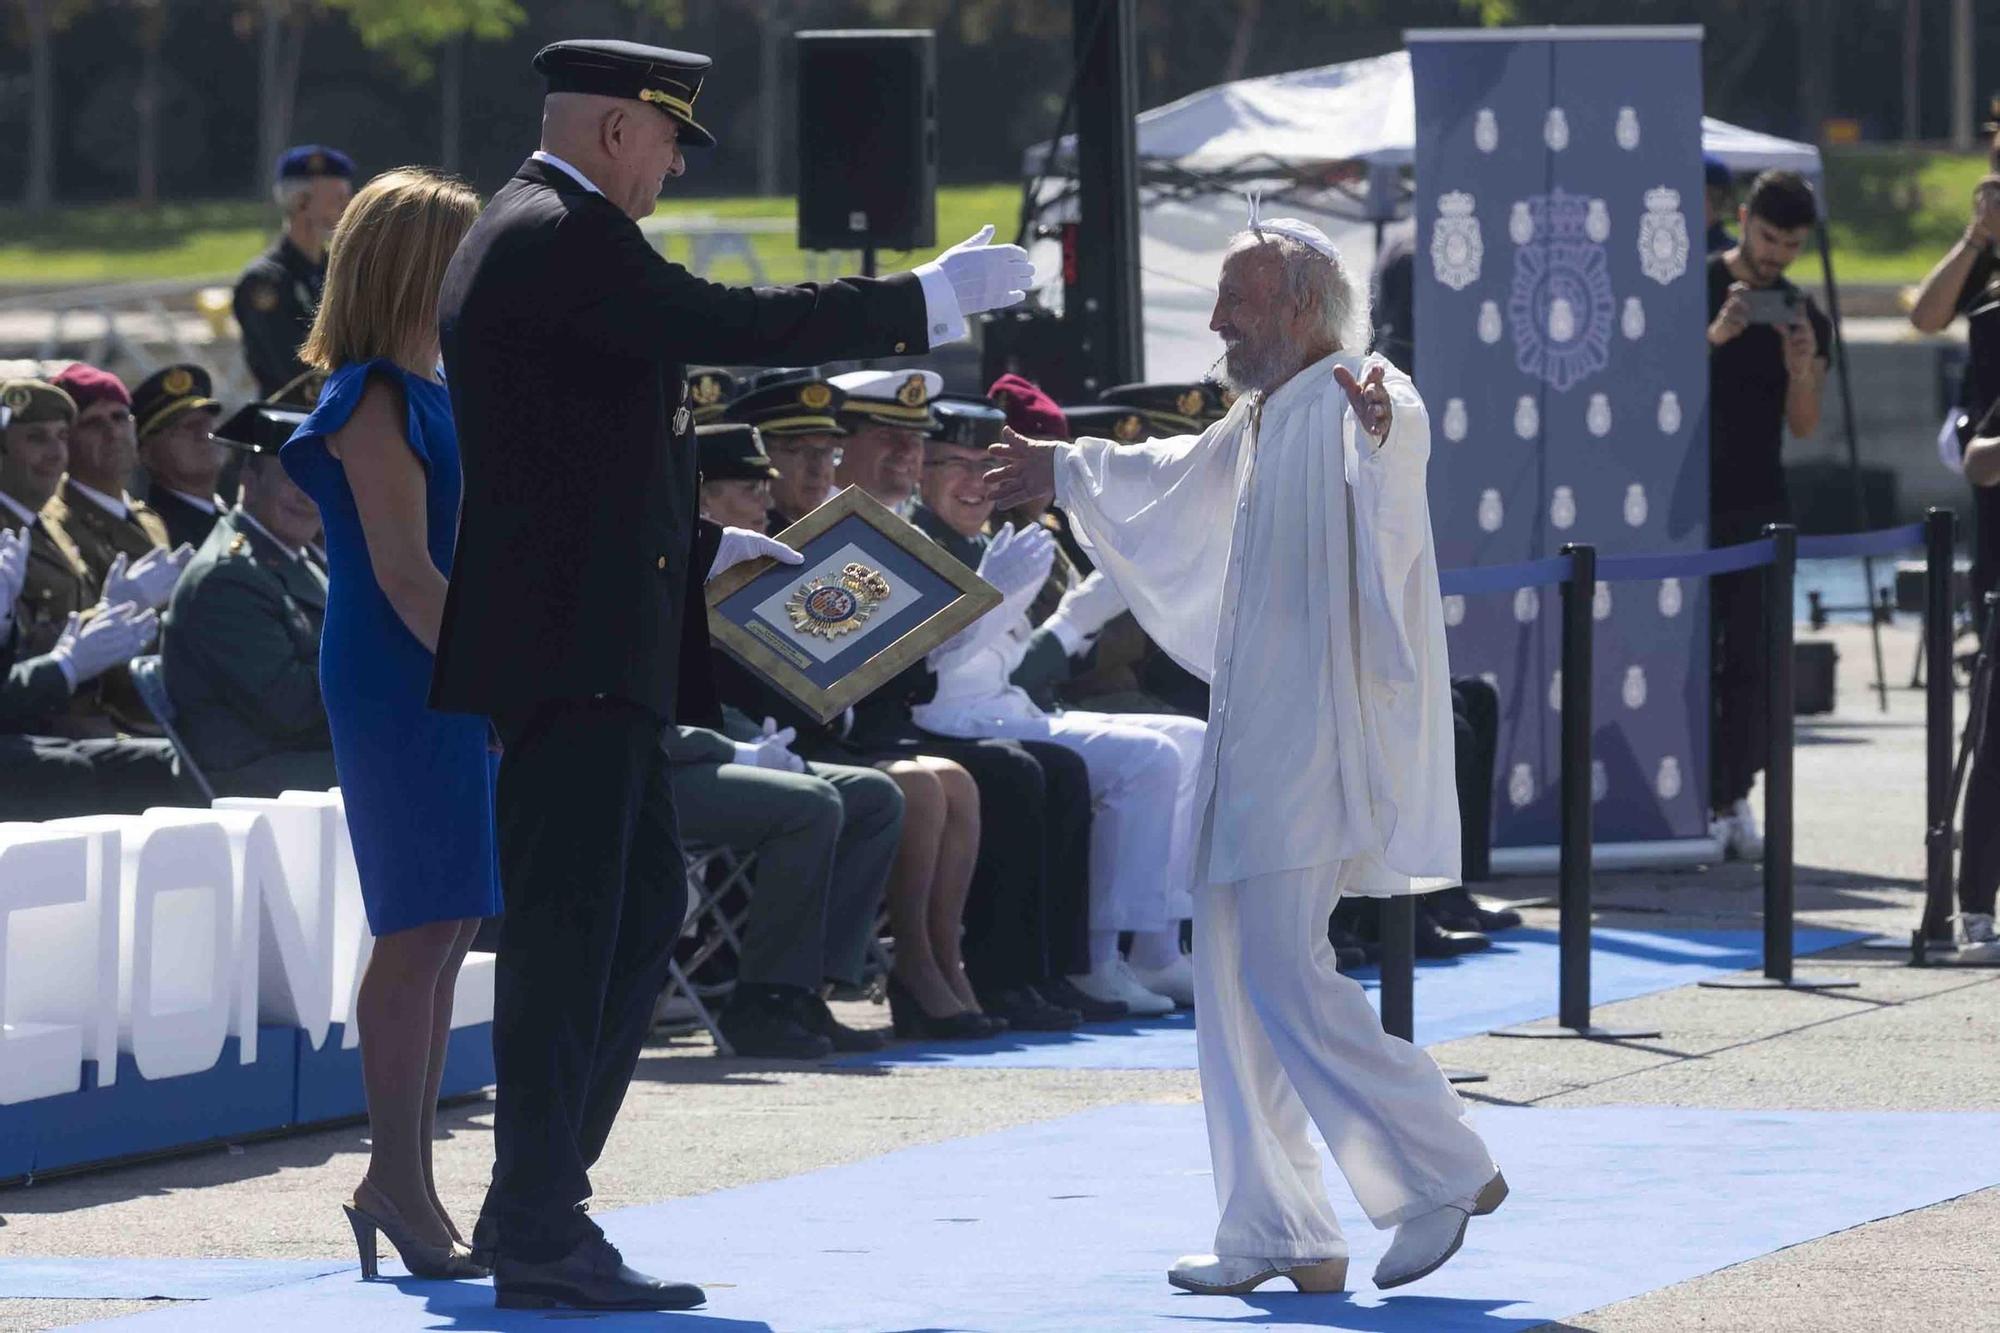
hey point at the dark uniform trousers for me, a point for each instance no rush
(595, 887)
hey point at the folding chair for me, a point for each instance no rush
(149, 678)
(712, 874)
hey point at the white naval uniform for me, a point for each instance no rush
(1143, 770)
(1283, 549)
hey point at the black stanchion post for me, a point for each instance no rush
(1779, 580)
(1399, 966)
(1939, 537)
(1579, 591)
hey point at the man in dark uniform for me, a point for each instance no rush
(560, 324)
(798, 416)
(280, 289)
(176, 410)
(240, 640)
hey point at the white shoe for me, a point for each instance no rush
(1977, 941)
(1175, 980)
(1746, 840)
(1231, 1275)
(1115, 982)
(1422, 1244)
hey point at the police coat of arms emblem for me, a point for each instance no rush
(1663, 236)
(830, 606)
(1456, 247)
(1560, 306)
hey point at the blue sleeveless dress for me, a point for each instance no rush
(417, 784)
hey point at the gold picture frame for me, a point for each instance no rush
(950, 598)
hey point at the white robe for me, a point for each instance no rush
(1286, 559)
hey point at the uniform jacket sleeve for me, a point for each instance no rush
(646, 299)
(696, 745)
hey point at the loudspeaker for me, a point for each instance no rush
(867, 140)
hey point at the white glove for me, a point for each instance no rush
(772, 750)
(986, 277)
(740, 544)
(1018, 560)
(13, 574)
(149, 581)
(114, 636)
(1084, 610)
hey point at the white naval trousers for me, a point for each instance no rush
(1286, 1042)
(1144, 768)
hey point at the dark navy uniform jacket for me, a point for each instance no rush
(275, 301)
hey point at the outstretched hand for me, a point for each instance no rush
(1024, 470)
(1369, 398)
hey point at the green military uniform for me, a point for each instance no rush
(100, 536)
(240, 644)
(275, 300)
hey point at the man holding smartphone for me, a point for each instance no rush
(1768, 350)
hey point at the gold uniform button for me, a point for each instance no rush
(663, 562)
(902, 347)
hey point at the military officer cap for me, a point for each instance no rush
(1107, 421)
(259, 428)
(710, 391)
(732, 451)
(310, 160)
(168, 392)
(30, 401)
(665, 79)
(971, 423)
(890, 398)
(1172, 409)
(798, 403)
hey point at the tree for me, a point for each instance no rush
(281, 37)
(426, 39)
(41, 19)
(150, 20)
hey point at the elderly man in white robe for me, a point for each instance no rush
(1285, 556)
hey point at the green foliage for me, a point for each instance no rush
(410, 31)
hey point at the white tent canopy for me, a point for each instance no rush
(1289, 133)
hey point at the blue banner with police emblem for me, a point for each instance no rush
(1559, 312)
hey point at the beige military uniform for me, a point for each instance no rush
(101, 537)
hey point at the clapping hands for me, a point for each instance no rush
(110, 637)
(1018, 559)
(148, 581)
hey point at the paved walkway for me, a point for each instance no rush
(1903, 1041)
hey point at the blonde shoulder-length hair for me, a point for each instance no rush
(385, 263)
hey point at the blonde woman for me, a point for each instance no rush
(379, 456)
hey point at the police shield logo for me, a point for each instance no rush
(1555, 130)
(1562, 508)
(1668, 783)
(1527, 605)
(1627, 129)
(1670, 412)
(1670, 597)
(1527, 417)
(1600, 601)
(1633, 691)
(1454, 610)
(1454, 419)
(1520, 786)
(1597, 418)
(1633, 322)
(1457, 250)
(1489, 322)
(1597, 221)
(1485, 130)
(1635, 505)
(1663, 236)
(1490, 512)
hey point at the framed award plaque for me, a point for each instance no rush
(873, 596)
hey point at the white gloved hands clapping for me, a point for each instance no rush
(113, 636)
(984, 276)
(148, 581)
(13, 574)
(1018, 559)
(773, 749)
(741, 544)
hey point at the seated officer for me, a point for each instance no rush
(1170, 409)
(176, 413)
(280, 289)
(709, 392)
(93, 506)
(886, 413)
(736, 475)
(240, 641)
(797, 413)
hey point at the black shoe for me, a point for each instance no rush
(1027, 1011)
(1456, 909)
(1062, 991)
(814, 1016)
(593, 1276)
(1432, 941)
(762, 1023)
(911, 1021)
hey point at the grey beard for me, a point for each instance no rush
(1246, 369)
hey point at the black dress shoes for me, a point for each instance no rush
(593, 1276)
(814, 1016)
(1433, 941)
(1062, 992)
(1456, 909)
(763, 1023)
(1026, 1010)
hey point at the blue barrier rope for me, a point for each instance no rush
(1694, 564)
(1883, 541)
(1505, 578)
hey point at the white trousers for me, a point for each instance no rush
(1287, 1042)
(1143, 768)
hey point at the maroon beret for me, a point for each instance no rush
(1029, 410)
(88, 385)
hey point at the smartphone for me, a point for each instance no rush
(1772, 305)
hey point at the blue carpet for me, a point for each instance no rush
(1513, 982)
(1068, 1227)
(154, 1279)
